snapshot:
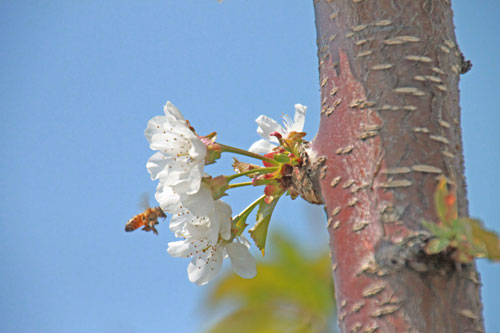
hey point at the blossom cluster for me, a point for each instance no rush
(202, 221)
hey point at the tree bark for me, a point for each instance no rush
(390, 125)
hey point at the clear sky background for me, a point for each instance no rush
(79, 81)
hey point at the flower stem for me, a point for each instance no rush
(252, 171)
(246, 153)
(250, 207)
(239, 185)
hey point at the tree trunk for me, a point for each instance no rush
(390, 125)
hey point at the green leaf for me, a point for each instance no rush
(434, 228)
(459, 228)
(436, 245)
(259, 230)
(439, 199)
(463, 256)
(482, 237)
(439, 230)
(467, 236)
(240, 221)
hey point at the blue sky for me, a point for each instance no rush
(79, 81)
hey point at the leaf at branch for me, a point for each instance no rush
(484, 238)
(439, 199)
(439, 230)
(436, 245)
(259, 230)
(446, 205)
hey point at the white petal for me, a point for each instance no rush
(170, 143)
(268, 126)
(171, 110)
(157, 165)
(212, 235)
(205, 265)
(186, 181)
(198, 150)
(299, 119)
(242, 261)
(179, 229)
(154, 125)
(202, 231)
(167, 198)
(261, 147)
(223, 219)
(200, 203)
(179, 249)
(179, 221)
(194, 178)
(243, 240)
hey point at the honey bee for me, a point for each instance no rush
(147, 219)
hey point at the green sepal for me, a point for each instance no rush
(262, 181)
(281, 158)
(218, 186)
(214, 150)
(212, 156)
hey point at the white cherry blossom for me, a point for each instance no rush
(204, 223)
(179, 173)
(181, 154)
(207, 258)
(171, 201)
(207, 242)
(268, 125)
(242, 261)
(216, 223)
(178, 164)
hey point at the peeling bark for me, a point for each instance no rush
(390, 124)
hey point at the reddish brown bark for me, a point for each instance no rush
(390, 124)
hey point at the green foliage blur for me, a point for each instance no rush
(292, 292)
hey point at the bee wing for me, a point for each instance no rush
(144, 202)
